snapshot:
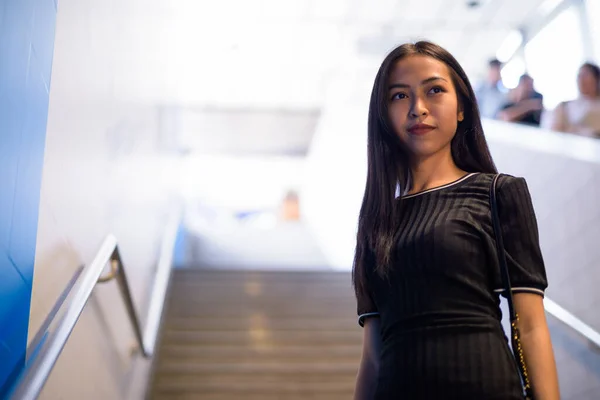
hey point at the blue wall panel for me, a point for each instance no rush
(26, 50)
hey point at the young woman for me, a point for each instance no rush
(582, 115)
(426, 272)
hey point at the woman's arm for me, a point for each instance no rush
(366, 380)
(559, 118)
(515, 112)
(537, 346)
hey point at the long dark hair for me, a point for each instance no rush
(595, 70)
(388, 160)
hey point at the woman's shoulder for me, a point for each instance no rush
(512, 192)
(505, 181)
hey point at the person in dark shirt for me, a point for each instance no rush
(526, 105)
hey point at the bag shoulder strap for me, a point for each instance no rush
(500, 249)
(515, 334)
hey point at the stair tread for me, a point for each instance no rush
(191, 395)
(282, 323)
(307, 349)
(281, 386)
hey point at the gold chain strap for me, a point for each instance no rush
(519, 350)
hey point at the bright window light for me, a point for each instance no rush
(512, 71)
(548, 6)
(555, 76)
(509, 46)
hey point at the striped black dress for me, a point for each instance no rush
(439, 307)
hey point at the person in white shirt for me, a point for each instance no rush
(582, 115)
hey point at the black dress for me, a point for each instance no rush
(439, 307)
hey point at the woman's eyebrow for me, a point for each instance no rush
(423, 82)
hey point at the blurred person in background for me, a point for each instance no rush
(582, 115)
(290, 207)
(491, 94)
(525, 105)
(426, 271)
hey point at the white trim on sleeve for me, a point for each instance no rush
(361, 317)
(522, 289)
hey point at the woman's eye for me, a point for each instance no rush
(399, 96)
(436, 90)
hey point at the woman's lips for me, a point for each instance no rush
(420, 129)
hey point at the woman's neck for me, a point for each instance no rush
(589, 96)
(434, 171)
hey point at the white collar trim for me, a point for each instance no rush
(440, 187)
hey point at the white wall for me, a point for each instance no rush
(103, 173)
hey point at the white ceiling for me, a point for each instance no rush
(268, 53)
(255, 58)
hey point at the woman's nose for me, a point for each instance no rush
(418, 109)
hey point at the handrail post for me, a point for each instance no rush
(123, 283)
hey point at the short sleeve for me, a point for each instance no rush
(521, 238)
(365, 304)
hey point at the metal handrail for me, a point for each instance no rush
(572, 321)
(36, 372)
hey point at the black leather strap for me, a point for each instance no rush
(500, 250)
(515, 336)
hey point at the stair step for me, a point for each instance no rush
(208, 313)
(235, 274)
(184, 395)
(282, 387)
(215, 313)
(245, 282)
(231, 351)
(242, 281)
(348, 323)
(269, 368)
(168, 359)
(293, 291)
(260, 335)
(298, 293)
(265, 302)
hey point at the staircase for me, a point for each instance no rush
(253, 335)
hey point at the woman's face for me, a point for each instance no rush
(423, 105)
(587, 83)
